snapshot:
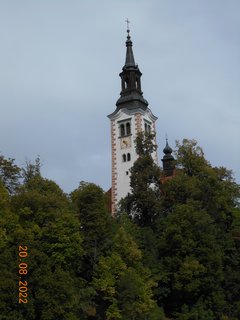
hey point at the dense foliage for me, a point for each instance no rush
(172, 252)
(191, 243)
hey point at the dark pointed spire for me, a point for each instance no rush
(129, 62)
(168, 160)
(131, 96)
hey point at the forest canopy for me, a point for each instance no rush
(171, 252)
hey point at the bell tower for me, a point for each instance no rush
(131, 116)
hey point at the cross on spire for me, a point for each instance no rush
(127, 25)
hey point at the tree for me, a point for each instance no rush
(123, 284)
(214, 188)
(176, 250)
(10, 174)
(48, 227)
(9, 228)
(197, 246)
(32, 169)
(190, 157)
(191, 260)
(188, 242)
(142, 203)
(90, 204)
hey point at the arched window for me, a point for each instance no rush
(128, 157)
(122, 130)
(137, 83)
(126, 83)
(123, 84)
(124, 158)
(147, 127)
(128, 128)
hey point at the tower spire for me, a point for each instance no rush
(129, 62)
(131, 96)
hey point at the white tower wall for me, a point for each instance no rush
(123, 148)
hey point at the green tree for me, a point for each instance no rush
(97, 225)
(123, 284)
(10, 174)
(188, 242)
(9, 229)
(190, 157)
(50, 230)
(214, 188)
(197, 246)
(31, 169)
(143, 202)
(191, 262)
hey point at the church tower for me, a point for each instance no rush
(131, 116)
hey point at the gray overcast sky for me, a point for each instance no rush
(60, 61)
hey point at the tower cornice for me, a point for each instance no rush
(118, 113)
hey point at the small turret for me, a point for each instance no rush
(168, 160)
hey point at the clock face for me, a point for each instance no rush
(125, 142)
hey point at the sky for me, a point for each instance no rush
(60, 62)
